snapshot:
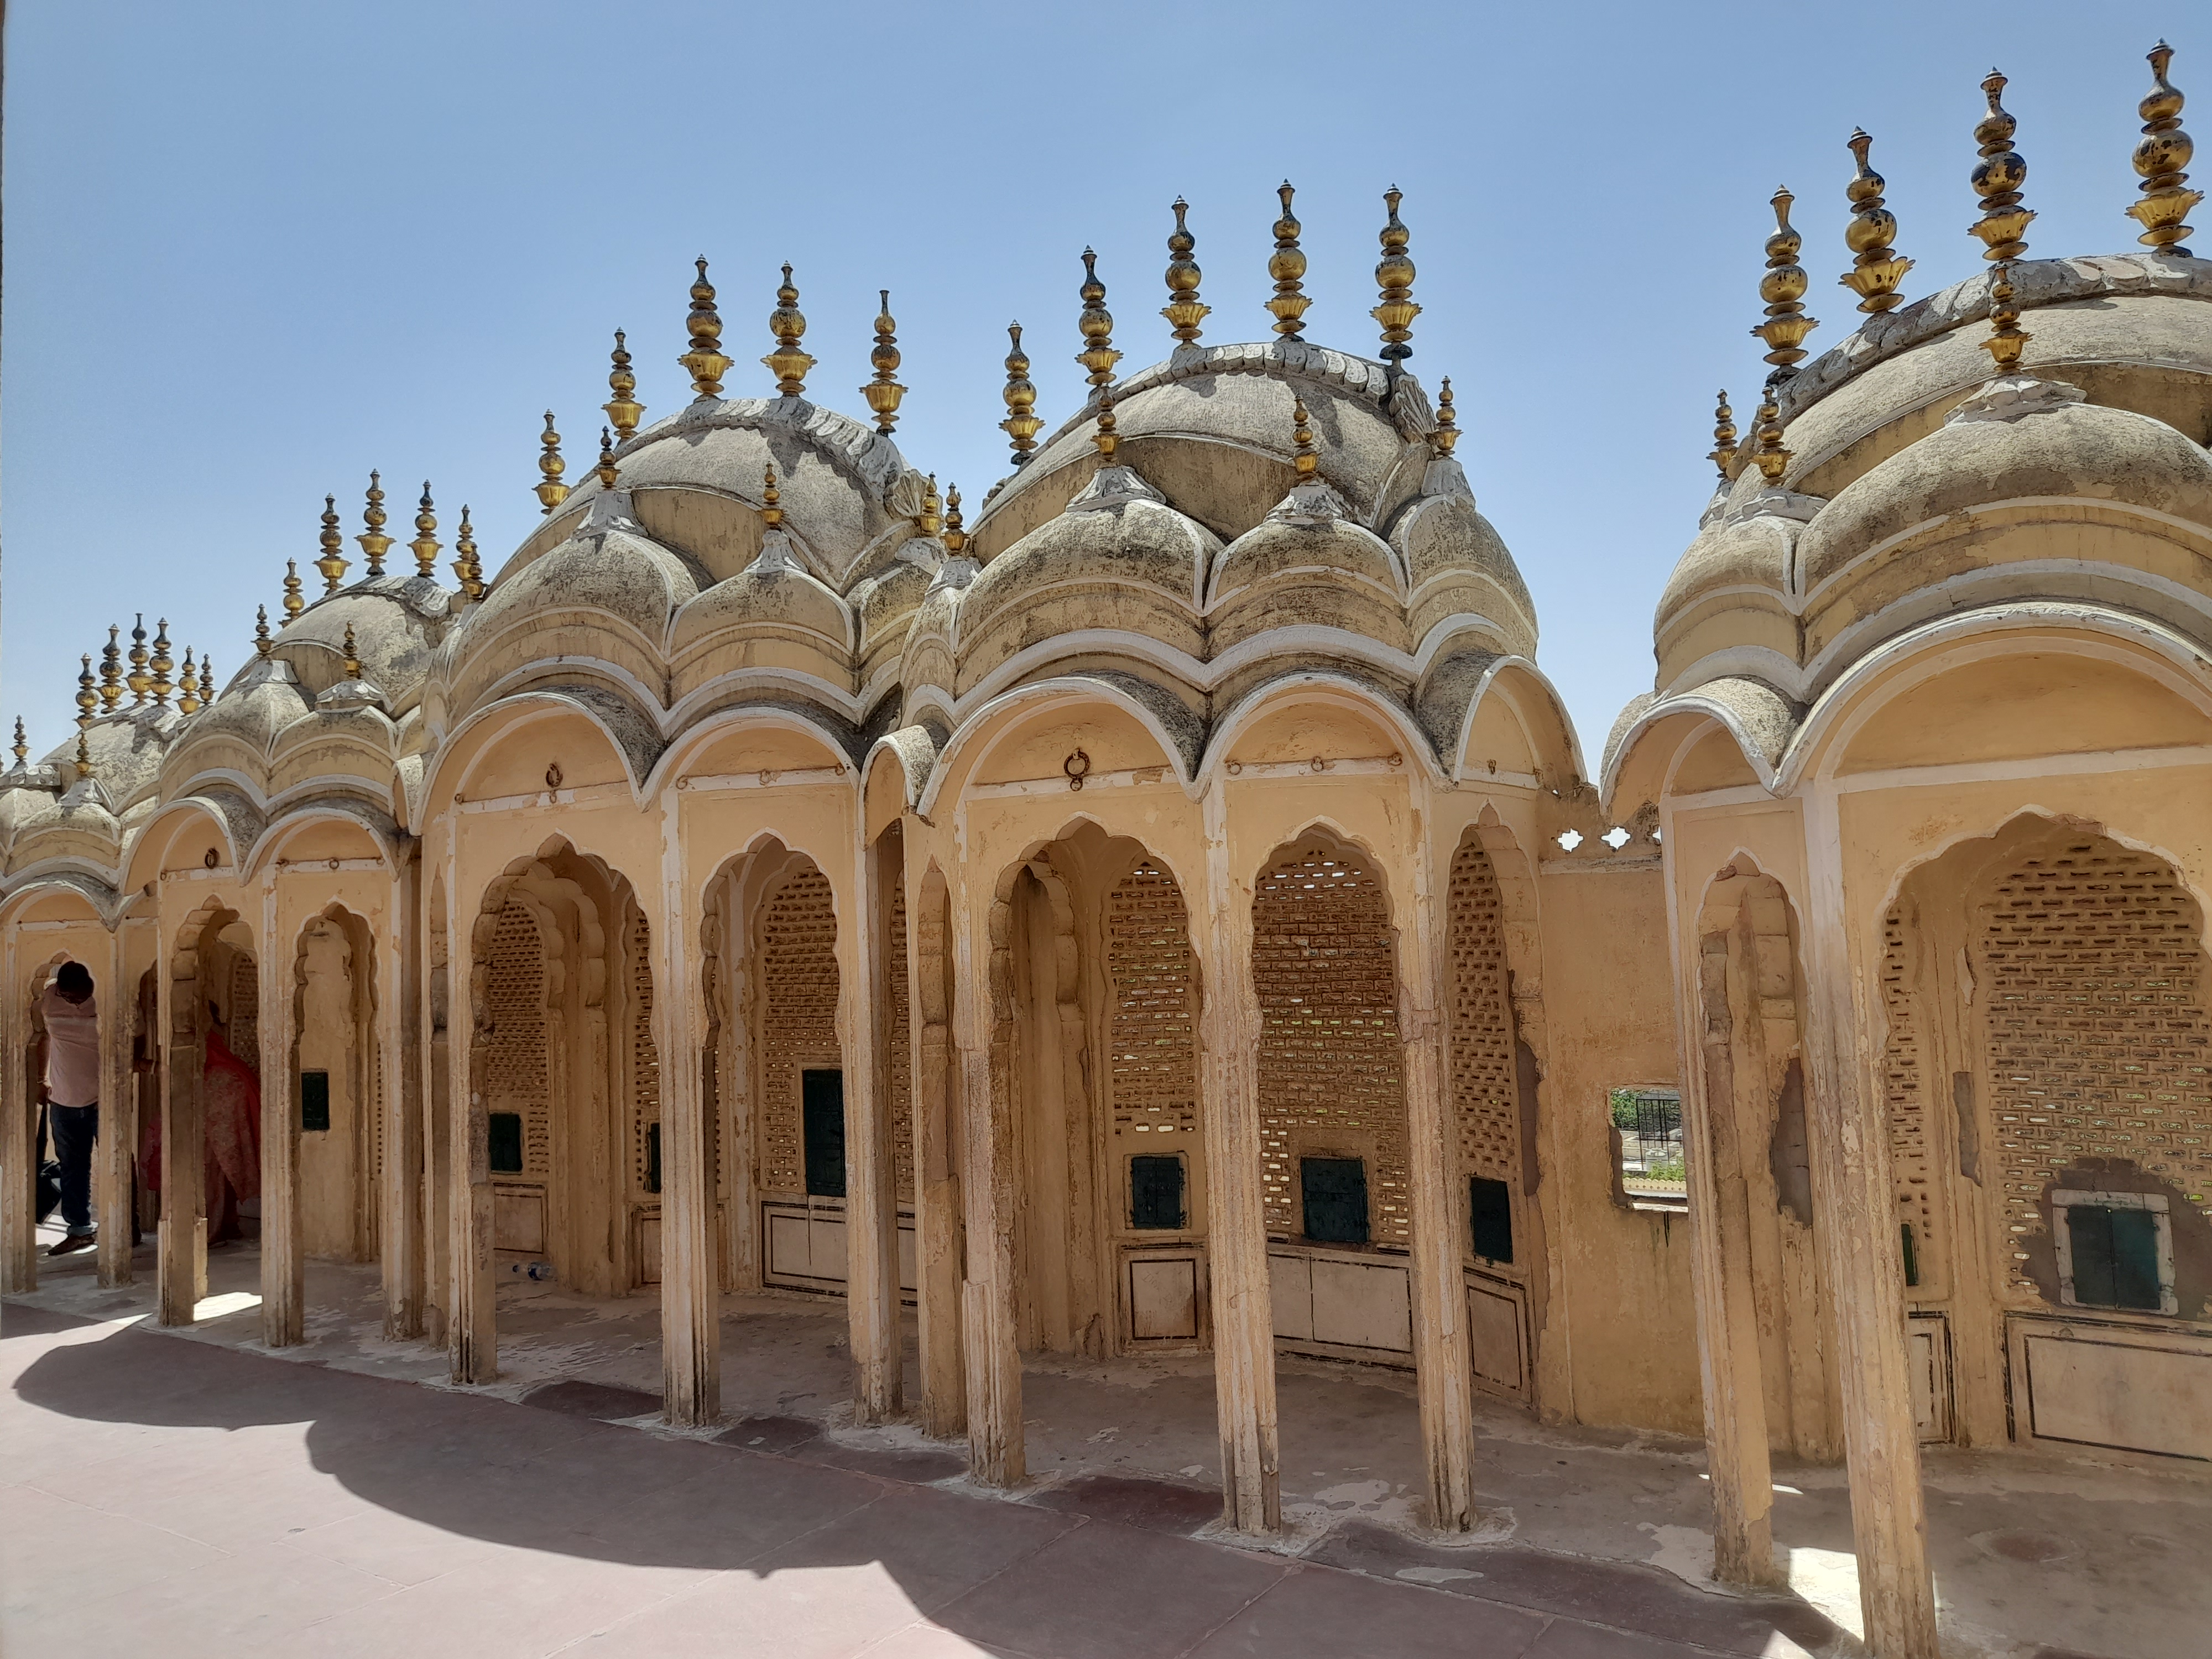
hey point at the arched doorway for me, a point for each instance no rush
(210, 1164)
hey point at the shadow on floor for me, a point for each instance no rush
(776, 1492)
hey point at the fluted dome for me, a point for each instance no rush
(397, 622)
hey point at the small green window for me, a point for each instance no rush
(1490, 1207)
(1336, 1194)
(822, 1100)
(503, 1139)
(314, 1103)
(2115, 1257)
(1156, 1189)
(652, 1158)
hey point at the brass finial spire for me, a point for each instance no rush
(110, 672)
(373, 540)
(88, 700)
(788, 362)
(1393, 276)
(1878, 267)
(1783, 287)
(467, 570)
(1097, 355)
(83, 757)
(549, 488)
(139, 680)
(1773, 459)
(332, 562)
(954, 537)
(1184, 310)
(771, 508)
(1287, 265)
(1106, 437)
(1304, 459)
(607, 469)
(623, 407)
(352, 656)
(207, 678)
(1997, 178)
(883, 391)
(1445, 438)
(425, 544)
(2008, 339)
(188, 686)
(262, 643)
(22, 745)
(1723, 451)
(931, 520)
(162, 662)
(294, 602)
(2160, 159)
(1022, 422)
(705, 363)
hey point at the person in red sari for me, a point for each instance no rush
(230, 1104)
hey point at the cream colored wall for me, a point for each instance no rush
(331, 1164)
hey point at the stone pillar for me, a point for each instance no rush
(180, 1250)
(284, 1255)
(936, 1153)
(871, 1294)
(690, 1272)
(117, 1154)
(1229, 1034)
(1720, 1262)
(996, 1456)
(19, 1236)
(471, 1320)
(398, 957)
(1857, 1237)
(1442, 1358)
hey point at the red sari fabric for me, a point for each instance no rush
(230, 1098)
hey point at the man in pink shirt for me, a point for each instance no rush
(69, 1088)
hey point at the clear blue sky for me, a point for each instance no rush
(257, 250)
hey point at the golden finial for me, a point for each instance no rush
(188, 686)
(1096, 322)
(162, 662)
(352, 656)
(110, 672)
(1184, 310)
(1304, 460)
(88, 700)
(771, 508)
(1773, 459)
(262, 643)
(623, 407)
(931, 519)
(606, 469)
(1723, 451)
(954, 537)
(1022, 422)
(83, 757)
(705, 363)
(332, 562)
(1287, 265)
(883, 391)
(22, 745)
(139, 680)
(425, 544)
(207, 679)
(2008, 339)
(1106, 437)
(1997, 178)
(549, 488)
(1445, 438)
(294, 602)
(788, 362)
(466, 569)
(2160, 159)
(1878, 268)
(1783, 287)
(1393, 274)
(373, 540)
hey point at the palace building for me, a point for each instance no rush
(1163, 907)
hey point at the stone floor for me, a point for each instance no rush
(470, 1505)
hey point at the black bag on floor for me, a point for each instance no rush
(50, 1174)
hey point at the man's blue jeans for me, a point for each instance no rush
(76, 1128)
